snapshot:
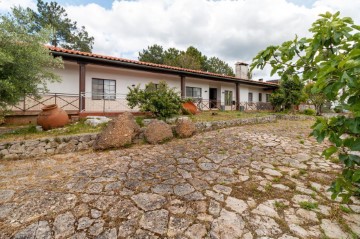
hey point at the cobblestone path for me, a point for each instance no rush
(261, 181)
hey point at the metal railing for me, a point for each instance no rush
(256, 105)
(204, 104)
(107, 103)
(31, 103)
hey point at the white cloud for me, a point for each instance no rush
(231, 30)
(5, 5)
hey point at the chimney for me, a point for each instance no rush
(242, 70)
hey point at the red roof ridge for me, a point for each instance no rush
(75, 52)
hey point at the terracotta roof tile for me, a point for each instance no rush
(88, 54)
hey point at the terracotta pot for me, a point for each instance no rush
(52, 117)
(190, 107)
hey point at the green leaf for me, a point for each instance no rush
(334, 138)
(330, 151)
(356, 176)
(354, 125)
(354, 159)
(352, 143)
(354, 53)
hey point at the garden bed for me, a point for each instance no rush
(30, 132)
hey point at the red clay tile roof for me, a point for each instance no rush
(88, 54)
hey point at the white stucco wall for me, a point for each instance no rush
(244, 93)
(125, 78)
(69, 79)
(203, 84)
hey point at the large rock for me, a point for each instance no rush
(157, 132)
(185, 128)
(120, 132)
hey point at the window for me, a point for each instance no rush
(103, 89)
(260, 97)
(193, 92)
(267, 97)
(228, 97)
(250, 98)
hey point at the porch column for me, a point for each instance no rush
(183, 89)
(82, 71)
(237, 95)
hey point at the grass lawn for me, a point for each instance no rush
(225, 115)
(30, 132)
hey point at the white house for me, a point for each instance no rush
(98, 84)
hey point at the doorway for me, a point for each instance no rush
(213, 97)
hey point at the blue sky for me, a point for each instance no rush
(104, 3)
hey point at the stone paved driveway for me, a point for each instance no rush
(262, 181)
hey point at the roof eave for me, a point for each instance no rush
(95, 60)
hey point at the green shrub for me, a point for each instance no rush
(160, 100)
(309, 112)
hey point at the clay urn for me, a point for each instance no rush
(190, 107)
(52, 117)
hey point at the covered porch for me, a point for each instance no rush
(88, 103)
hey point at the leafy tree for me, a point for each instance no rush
(64, 32)
(277, 100)
(25, 64)
(215, 65)
(192, 58)
(197, 57)
(331, 58)
(171, 57)
(154, 54)
(318, 99)
(160, 100)
(292, 89)
(288, 95)
(189, 62)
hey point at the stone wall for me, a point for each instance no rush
(294, 117)
(73, 143)
(46, 146)
(208, 126)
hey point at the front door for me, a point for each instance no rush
(213, 97)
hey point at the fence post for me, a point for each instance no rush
(103, 105)
(24, 103)
(80, 100)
